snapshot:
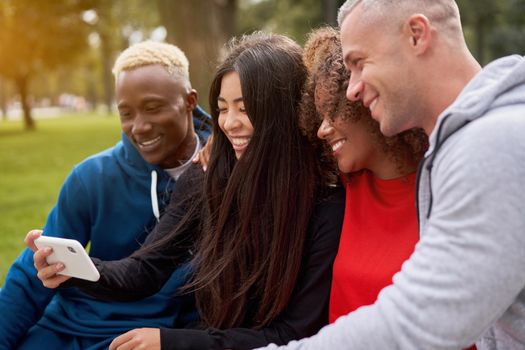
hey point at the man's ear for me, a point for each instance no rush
(191, 99)
(418, 31)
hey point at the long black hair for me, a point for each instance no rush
(258, 207)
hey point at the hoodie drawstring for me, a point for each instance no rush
(154, 199)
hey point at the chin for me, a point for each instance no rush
(344, 168)
(387, 130)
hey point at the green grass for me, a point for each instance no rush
(33, 166)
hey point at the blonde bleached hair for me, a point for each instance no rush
(149, 53)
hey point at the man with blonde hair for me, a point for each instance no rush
(112, 200)
(465, 282)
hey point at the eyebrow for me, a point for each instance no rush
(350, 54)
(236, 100)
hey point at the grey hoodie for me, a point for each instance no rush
(465, 281)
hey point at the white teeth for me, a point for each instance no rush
(338, 145)
(149, 142)
(373, 104)
(240, 141)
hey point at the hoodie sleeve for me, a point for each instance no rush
(307, 310)
(467, 270)
(23, 298)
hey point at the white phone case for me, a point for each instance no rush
(72, 254)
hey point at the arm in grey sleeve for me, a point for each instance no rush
(468, 268)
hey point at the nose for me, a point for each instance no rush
(354, 92)
(141, 125)
(231, 121)
(325, 129)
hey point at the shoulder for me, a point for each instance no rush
(331, 200)
(190, 183)
(506, 121)
(327, 218)
(191, 177)
(488, 144)
(482, 164)
(101, 160)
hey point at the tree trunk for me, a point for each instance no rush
(330, 8)
(200, 29)
(22, 84)
(91, 90)
(3, 99)
(107, 76)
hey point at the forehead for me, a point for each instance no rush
(153, 79)
(358, 33)
(147, 76)
(230, 84)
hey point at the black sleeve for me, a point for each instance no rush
(143, 275)
(307, 311)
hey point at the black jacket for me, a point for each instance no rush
(135, 278)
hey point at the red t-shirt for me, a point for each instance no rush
(380, 230)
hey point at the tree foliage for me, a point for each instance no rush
(38, 35)
(493, 28)
(40, 39)
(293, 18)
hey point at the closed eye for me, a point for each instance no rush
(124, 114)
(356, 62)
(152, 108)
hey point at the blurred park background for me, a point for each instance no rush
(56, 87)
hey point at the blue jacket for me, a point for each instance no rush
(105, 202)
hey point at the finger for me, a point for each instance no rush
(195, 160)
(49, 277)
(119, 342)
(30, 239)
(39, 258)
(55, 282)
(206, 155)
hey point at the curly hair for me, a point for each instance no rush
(328, 75)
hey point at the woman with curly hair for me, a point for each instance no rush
(261, 231)
(380, 226)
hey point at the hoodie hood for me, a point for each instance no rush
(129, 156)
(500, 83)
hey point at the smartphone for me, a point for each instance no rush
(72, 254)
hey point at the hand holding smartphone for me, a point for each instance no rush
(72, 254)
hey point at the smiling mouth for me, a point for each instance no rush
(149, 143)
(337, 145)
(239, 142)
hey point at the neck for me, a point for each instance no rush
(385, 167)
(456, 72)
(185, 151)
